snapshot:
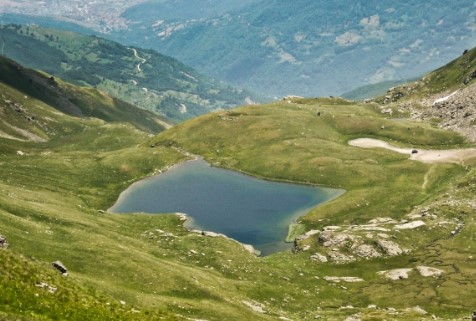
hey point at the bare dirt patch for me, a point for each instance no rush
(458, 156)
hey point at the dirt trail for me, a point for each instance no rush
(143, 61)
(427, 175)
(458, 156)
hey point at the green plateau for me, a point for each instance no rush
(397, 245)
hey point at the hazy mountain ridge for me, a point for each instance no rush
(142, 77)
(321, 48)
(315, 45)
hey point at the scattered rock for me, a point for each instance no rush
(331, 239)
(44, 285)
(60, 267)
(332, 228)
(212, 234)
(255, 306)
(251, 249)
(451, 110)
(410, 225)
(3, 242)
(182, 216)
(429, 271)
(390, 248)
(20, 153)
(458, 229)
(367, 251)
(397, 274)
(340, 258)
(353, 318)
(417, 310)
(347, 279)
(383, 220)
(318, 257)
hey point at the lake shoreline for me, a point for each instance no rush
(278, 219)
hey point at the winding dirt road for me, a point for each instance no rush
(143, 61)
(458, 156)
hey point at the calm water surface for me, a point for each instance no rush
(247, 209)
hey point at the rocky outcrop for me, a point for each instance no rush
(455, 110)
(3, 242)
(390, 248)
(410, 225)
(318, 258)
(255, 306)
(379, 237)
(46, 286)
(397, 274)
(339, 279)
(429, 271)
(333, 239)
(400, 274)
(60, 267)
(366, 251)
(339, 258)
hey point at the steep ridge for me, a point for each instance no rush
(74, 100)
(446, 96)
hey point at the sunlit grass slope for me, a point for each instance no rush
(306, 141)
(289, 141)
(59, 173)
(74, 100)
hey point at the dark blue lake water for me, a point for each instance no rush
(250, 210)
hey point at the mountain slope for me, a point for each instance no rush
(52, 194)
(141, 77)
(400, 218)
(73, 100)
(307, 47)
(446, 96)
(277, 48)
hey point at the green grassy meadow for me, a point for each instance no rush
(55, 192)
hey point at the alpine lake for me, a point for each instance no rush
(245, 208)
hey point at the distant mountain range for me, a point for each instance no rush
(309, 47)
(142, 77)
(302, 47)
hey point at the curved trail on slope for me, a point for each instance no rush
(457, 156)
(427, 175)
(143, 60)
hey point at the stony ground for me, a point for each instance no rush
(452, 109)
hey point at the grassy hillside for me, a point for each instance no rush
(144, 78)
(74, 100)
(455, 75)
(289, 141)
(59, 173)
